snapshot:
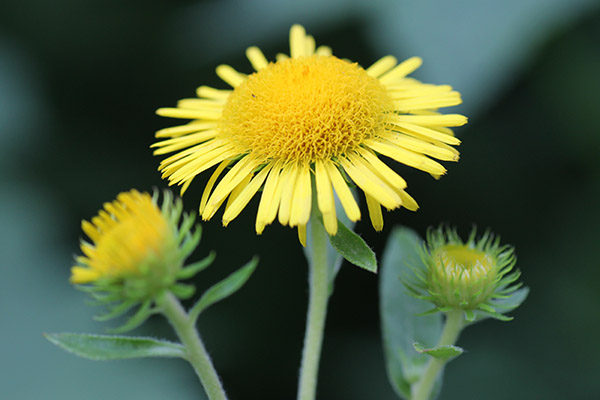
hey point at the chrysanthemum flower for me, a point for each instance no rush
(137, 249)
(310, 121)
(470, 276)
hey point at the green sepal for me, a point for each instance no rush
(116, 311)
(514, 300)
(444, 352)
(223, 289)
(470, 315)
(401, 326)
(108, 347)
(502, 305)
(190, 242)
(353, 248)
(499, 317)
(192, 269)
(136, 319)
(182, 290)
(186, 226)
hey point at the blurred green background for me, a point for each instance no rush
(79, 83)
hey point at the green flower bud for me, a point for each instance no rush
(470, 275)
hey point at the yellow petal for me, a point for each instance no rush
(297, 41)
(374, 213)
(400, 71)
(245, 195)
(256, 58)
(301, 202)
(381, 66)
(372, 185)
(230, 75)
(343, 192)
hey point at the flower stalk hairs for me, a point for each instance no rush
(135, 258)
(303, 130)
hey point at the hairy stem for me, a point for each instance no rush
(196, 352)
(453, 325)
(317, 310)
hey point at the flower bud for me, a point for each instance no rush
(469, 275)
(136, 252)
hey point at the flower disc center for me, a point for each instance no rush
(305, 109)
(463, 262)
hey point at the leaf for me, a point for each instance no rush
(353, 248)
(223, 289)
(442, 352)
(107, 347)
(401, 326)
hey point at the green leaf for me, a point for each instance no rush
(401, 326)
(442, 352)
(106, 347)
(223, 289)
(353, 248)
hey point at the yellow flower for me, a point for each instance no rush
(309, 115)
(130, 232)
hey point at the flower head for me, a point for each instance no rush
(136, 252)
(470, 275)
(310, 121)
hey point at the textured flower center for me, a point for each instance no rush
(463, 263)
(305, 109)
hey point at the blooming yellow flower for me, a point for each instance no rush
(309, 115)
(127, 235)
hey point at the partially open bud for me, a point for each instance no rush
(137, 251)
(469, 275)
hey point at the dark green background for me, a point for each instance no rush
(79, 83)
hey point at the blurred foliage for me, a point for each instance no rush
(79, 83)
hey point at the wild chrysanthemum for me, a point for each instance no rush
(136, 252)
(475, 275)
(309, 115)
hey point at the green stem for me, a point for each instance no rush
(196, 352)
(317, 309)
(454, 323)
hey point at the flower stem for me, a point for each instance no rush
(196, 352)
(317, 310)
(454, 323)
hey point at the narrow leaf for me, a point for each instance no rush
(353, 248)
(442, 352)
(223, 289)
(105, 347)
